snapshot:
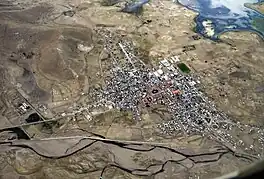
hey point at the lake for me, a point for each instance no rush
(218, 16)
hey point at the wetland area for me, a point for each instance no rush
(225, 15)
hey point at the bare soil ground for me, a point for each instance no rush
(52, 55)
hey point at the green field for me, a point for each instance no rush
(184, 68)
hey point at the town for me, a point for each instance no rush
(133, 85)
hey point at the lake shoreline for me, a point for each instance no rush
(221, 25)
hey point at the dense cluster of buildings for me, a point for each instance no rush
(133, 86)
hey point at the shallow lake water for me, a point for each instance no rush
(218, 16)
